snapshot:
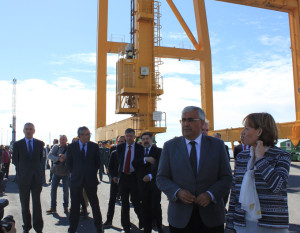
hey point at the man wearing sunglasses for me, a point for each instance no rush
(194, 173)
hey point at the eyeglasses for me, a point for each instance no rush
(183, 120)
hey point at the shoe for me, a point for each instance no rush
(84, 214)
(107, 223)
(160, 229)
(25, 231)
(66, 210)
(141, 225)
(51, 211)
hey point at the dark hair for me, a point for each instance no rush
(80, 129)
(147, 133)
(266, 122)
(129, 130)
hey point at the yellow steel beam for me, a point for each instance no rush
(278, 5)
(287, 130)
(184, 25)
(101, 64)
(176, 53)
(164, 52)
(205, 65)
(294, 17)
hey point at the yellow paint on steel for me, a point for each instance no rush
(205, 65)
(278, 5)
(101, 64)
(146, 89)
(184, 25)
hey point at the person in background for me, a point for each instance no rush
(151, 195)
(55, 142)
(124, 174)
(5, 161)
(205, 128)
(58, 155)
(83, 162)
(218, 135)
(258, 201)
(114, 188)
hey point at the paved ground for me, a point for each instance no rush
(58, 223)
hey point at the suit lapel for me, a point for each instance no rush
(203, 152)
(24, 147)
(183, 152)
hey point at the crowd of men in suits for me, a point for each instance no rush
(192, 170)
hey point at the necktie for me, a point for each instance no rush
(30, 148)
(83, 151)
(245, 147)
(193, 157)
(128, 159)
(147, 152)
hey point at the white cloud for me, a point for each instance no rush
(64, 104)
(276, 41)
(174, 66)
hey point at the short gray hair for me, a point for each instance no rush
(81, 129)
(29, 124)
(201, 113)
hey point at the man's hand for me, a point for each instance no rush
(12, 230)
(185, 196)
(62, 158)
(150, 160)
(204, 199)
(146, 178)
(115, 180)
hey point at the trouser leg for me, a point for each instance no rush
(93, 198)
(76, 194)
(36, 208)
(24, 193)
(112, 200)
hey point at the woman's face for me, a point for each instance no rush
(250, 135)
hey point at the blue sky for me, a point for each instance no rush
(50, 47)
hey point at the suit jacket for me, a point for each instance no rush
(83, 170)
(117, 169)
(28, 168)
(147, 168)
(237, 149)
(214, 175)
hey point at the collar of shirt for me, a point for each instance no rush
(81, 145)
(27, 140)
(149, 148)
(132, 146)
(197, 145)
(197, 140)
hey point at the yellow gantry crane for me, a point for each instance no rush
(139, 84)
(290, 130)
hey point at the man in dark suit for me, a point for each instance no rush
(194, 173)
(83, 163)
(151, 195)
(27, 157)
(114, 188)
(125, 174)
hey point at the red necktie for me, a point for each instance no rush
(128, 159)
(245, 147)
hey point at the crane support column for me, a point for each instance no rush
(101, 64)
